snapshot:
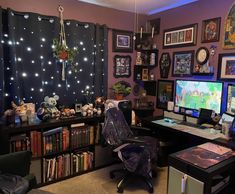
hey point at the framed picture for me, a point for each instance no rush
(229, 33)
(180, 36)
(145, 74)
(122, 41)
(211, 30)
(226, 69)
(165, 90)
(122, 66)
(182, 63)
(165, 63)
(78, 108)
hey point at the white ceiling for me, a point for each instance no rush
(142, 6)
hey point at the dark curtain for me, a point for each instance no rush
(31, 72)
(1, 66)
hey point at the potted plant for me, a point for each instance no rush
(121, 89)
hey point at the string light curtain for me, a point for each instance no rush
(30, 72)
(1, 66)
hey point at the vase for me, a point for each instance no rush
(119, 96)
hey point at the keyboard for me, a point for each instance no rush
(192, 125)
(205, 133)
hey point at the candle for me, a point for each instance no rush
(141, 31)
(152, 31)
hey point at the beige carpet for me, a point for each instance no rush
(98, 182)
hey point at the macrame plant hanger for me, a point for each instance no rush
(62, 41)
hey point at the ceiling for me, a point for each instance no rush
(148, 7)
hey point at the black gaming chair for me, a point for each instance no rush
(136, 153)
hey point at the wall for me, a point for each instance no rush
(74, 9)
(187, 14)
(190, 14)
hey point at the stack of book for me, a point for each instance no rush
(19, 143)
(81, 161)
(81, 135)
(35, 143)
(56, 140)
(55, 168)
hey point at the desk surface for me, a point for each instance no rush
(208, 133)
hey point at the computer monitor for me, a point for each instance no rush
(231, 98)
(205, 116)
(195, 94)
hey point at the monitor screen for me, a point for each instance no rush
(198, 94)
(231, 99)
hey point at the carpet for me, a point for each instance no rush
(38, 191)
(99, 182)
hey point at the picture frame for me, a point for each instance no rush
(165, 63)
(165, 91)
(122, 41)
(78, 108)
(180, 36)
(182, 63)
(122, 66)
(211, 30)
(145, 74)
(229, 25)
(226, 67)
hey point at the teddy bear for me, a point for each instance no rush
(48, 109)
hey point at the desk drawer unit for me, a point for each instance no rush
(192, 185)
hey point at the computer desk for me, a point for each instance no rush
(160, 128)
(178, 167)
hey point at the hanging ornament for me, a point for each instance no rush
(60, 49)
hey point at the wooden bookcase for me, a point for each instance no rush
(61, 148)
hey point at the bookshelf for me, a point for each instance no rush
(61, 148)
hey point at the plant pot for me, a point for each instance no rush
(119, 96)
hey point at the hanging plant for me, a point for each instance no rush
(60, 49)
(62, 52)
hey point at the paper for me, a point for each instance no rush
(215, 148)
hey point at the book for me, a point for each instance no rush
(85, 162)
(91, 134)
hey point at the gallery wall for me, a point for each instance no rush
(189, 14)
(184, 15)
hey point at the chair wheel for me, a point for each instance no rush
(120, 190)
(150, 190)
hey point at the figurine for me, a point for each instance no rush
(138, 59)
(48, 109)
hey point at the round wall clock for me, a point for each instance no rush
(202, 55)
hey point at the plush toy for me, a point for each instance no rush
(48, 109)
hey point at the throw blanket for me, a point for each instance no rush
(13, 184)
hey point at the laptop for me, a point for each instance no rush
(226, 118)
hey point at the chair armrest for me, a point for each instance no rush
(141, 131)
(134, 127)
(16, 163)
(133, 140)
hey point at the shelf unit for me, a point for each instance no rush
(142, 72)
(61, 148)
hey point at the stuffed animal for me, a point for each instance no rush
(48, 109)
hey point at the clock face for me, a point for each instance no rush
(202, 55)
